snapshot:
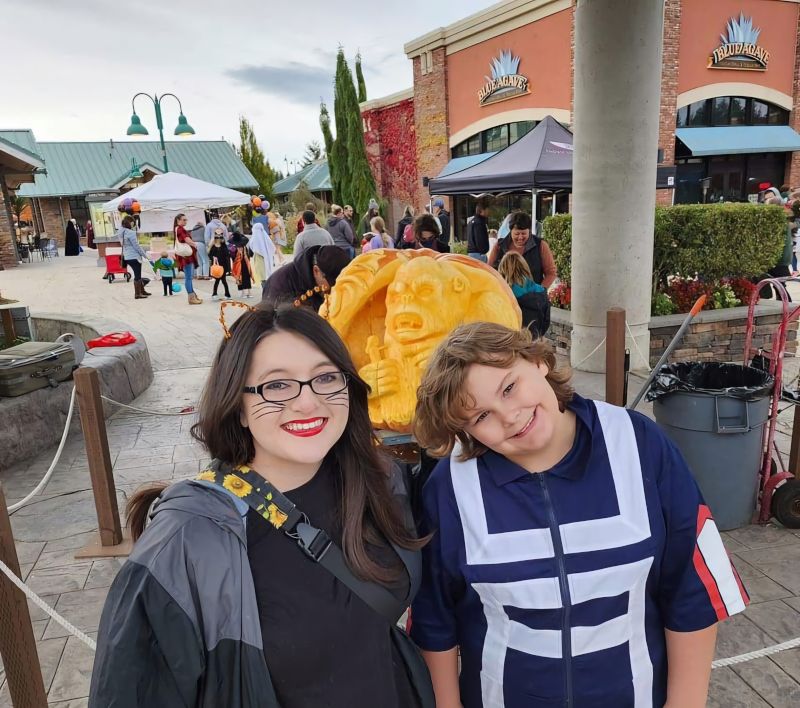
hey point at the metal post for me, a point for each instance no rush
(615, 356)
(87, 385)
(160, 124)
(17, 643)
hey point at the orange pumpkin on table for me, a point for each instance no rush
(393, 308)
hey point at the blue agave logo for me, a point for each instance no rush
(504, 65)
(741, 31)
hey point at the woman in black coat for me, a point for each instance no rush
(72, 242)
(407, 220)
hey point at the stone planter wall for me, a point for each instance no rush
(714, 335)
(34, 422)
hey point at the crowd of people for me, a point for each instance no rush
(217, 250)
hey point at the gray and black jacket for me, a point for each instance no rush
(180, 626)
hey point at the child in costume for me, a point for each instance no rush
(165, 268)
(574, 561)
(242, 268)
(218, 254)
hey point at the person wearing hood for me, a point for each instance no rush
(263, 254)
(198, 233)
(406, 221)
(253, 585)
(314, 271)
(444, 220)
(72, 240)
(343, 235)
(211, 228)
(535, 251)
(372, 211)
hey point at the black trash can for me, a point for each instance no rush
(715, 413)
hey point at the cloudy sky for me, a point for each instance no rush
(71, 68)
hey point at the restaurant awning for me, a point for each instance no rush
(739, 139)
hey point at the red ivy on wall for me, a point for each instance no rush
(391, 142)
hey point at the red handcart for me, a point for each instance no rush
(779, 485)
(115, 266)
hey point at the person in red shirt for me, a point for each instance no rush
(186, 263)
(300, 223)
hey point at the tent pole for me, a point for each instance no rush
(534, 210)
(553, 205)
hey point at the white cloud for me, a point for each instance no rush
(77, 65)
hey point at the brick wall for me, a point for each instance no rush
(55, 214)
(7, 257)
(390, 138)
(714, 336)
(430, 120)
(669, 90)
(793, 166)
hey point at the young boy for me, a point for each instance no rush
(574, 562)
(165, 267)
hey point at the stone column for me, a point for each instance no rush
(669, 90)
(617, 97)
(793, 158)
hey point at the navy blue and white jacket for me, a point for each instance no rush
(558, 586)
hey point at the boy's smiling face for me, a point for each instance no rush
(514, 411)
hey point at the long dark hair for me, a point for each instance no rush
(369, 512)
(175, 221)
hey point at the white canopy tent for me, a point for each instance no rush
(167, 195)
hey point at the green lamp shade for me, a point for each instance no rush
(183, 126)
(136, 127)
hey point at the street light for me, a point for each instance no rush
(137, 129)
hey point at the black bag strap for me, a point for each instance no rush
(269, 503)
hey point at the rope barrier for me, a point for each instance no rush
(49, 473)
(590, 354)
(758, 654)
(146, 412)
(644, 359)
(42, 605)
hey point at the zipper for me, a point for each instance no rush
(566, 634)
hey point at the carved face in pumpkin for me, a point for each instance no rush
(423, 302)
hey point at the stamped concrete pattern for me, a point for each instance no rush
(145, 448)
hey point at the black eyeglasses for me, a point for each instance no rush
(281, 390)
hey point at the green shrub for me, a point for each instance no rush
(557, 231)
(710, 241)
(662, 305)
(459, 247)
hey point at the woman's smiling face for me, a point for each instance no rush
(514, 411)
(300, 431)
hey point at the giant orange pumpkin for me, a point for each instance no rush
(392, 308)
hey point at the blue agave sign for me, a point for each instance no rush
(505, 81)
(739, 48)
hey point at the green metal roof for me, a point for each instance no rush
(78, 168)
(22, 139)
(316, 176)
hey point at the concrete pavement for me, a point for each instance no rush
(182, 340)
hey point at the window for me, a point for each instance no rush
(521, 129)
(496, 138)
(720, 111)
(778, 116)
(759, 113)
(730, 110)
(738, 111)
(697, 114)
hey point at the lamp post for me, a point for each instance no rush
(136, 128)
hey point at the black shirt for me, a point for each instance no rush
(478, 235)
(325, 648)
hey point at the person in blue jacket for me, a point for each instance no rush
(573, 561)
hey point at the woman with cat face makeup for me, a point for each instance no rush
(217, 606)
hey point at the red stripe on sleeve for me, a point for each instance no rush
(703, 515)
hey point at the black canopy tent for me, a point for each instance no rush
(540, 160)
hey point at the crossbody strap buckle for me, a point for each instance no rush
(314, 542)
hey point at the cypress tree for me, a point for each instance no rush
(327, 137)
(362, 85)
(343, 100)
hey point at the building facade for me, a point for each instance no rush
(730, 94)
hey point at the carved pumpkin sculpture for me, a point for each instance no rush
(393, 308)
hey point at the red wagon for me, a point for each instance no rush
(779, 483)
(115, 266)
